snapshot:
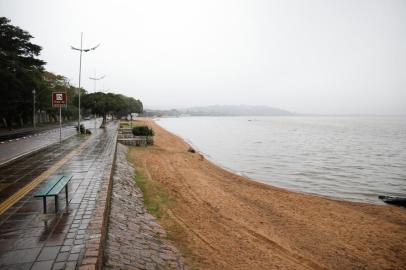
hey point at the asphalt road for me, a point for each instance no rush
(6, 135)
(15, 148)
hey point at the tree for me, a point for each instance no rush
(20, 72)
(97, 103)
(129, 105)
(104, 104)
(51, 83)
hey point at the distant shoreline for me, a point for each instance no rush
(250, 111)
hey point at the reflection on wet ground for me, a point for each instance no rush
(32, 240)
(13, 149)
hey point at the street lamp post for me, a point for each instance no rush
(95, 103)
(33, 109)
(95, 79)
(80, 70)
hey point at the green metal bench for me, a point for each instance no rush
(53, 187)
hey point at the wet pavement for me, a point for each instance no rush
(14, 148)
(6, 134)
(30, 239)
(18, 174)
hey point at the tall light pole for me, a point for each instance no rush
(33, 110)
(80, 70)
(95, 79)
(95, 120)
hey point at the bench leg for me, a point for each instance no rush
(44, 202)
(66, 196)
(56, 204)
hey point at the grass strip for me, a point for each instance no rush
(156, 198)
(134, 123)
(158, 201)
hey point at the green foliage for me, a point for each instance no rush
(124, 125)
(52, 83)
(129, 124)
(142, 131)
(20, 72)
(103, 104)
(82, 129)
(128, 105)
(156, 197)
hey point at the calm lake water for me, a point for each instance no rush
(349, 158)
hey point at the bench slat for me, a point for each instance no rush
(59, 186)
(53, 180)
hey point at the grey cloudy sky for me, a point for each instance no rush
(320, 56)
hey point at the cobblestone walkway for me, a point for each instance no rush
(32, 240)
(134, 238)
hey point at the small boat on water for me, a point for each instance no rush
(393, 200)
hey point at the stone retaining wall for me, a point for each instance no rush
(124, 133)
(135, 240)
(126, 137)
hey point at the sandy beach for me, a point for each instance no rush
(221, 220)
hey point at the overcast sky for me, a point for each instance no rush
(326, 57)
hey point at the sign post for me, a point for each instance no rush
(59, 100)
(60, 125)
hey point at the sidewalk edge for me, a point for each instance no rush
(97, 230)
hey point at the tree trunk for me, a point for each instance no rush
(104, 121)
(21, 120)
(4, 122)
(9, 120)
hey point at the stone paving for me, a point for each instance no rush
(135, 240)
(32, 240)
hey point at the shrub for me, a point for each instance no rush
(82, 129)
(142, 131)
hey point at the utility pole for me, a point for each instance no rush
(33, 110)
(81, 50)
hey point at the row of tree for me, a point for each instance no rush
(103, 104)
(21, 72)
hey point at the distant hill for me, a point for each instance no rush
(234, 110)
(160, 113)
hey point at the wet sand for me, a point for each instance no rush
(231, 222)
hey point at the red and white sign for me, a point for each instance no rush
(59, 99)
